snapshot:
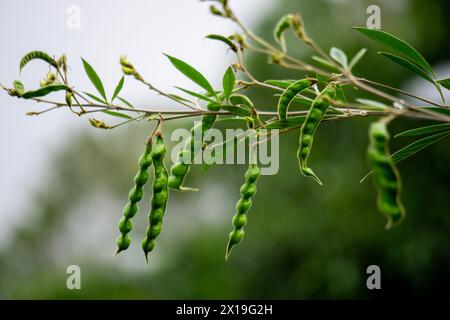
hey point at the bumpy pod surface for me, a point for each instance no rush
(282, 25)
(248, 190)
(186, 155)
(159, 198)
(385, 174)
(289, 95)
(135, 195)
(313, 119)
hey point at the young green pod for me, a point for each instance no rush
(282, 25)
(289, 94)
(159, 198)
(186, 155)
(312, 121)
(248, 190)
(386, 176)
(135, 195)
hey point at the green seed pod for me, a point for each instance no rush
(289, 95)
(181, 167)
(385, 174)
(19, 88)
(313, 119)
(248, 190)
(282, 25)
(159, 198)
(135, 195)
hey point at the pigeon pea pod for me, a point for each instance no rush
(248, 190)
(385, 174)
(135, 195)
(159, 198)
(186, 155)
(289, 95)
(313, 119)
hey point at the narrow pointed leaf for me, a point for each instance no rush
(95, 79)
(197, 95)
(339, 56)
(407, 64)
(94, 97)
(413, 148)
(324, 62)
(397, 44)
(418, 145)
(192, 74)
(445, 83)
(126, 102)
(357, 58)
(118, 88)
(228, 82)
(117, 114)
(425, 130)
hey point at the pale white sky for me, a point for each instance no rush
(142, 29)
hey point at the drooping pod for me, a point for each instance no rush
(313, 119)
(186, 155)
(248, 190)
(159, 197)
(289, 95)
(282, 25)
(385, 174)
(135, 195)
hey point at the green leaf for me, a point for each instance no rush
(425, 130)
(118, 88)
(287, 123)
(241, 100)
(192, 74)
(237, 110)
(413, 148)
(228, 82)
(280, 83)
(397, 44)
(445, 83)
(92, 96)
(372, 103)
(324, 62)
(339, 56)
(117, 114)
(223, 39)
(357, 58)
(416, 146)
(36, 55)
(95, 79)
(44, 91)
(197, 95)
(179, 98)
(126, 102)
(408, 64)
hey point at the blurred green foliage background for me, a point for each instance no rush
(302, 240)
